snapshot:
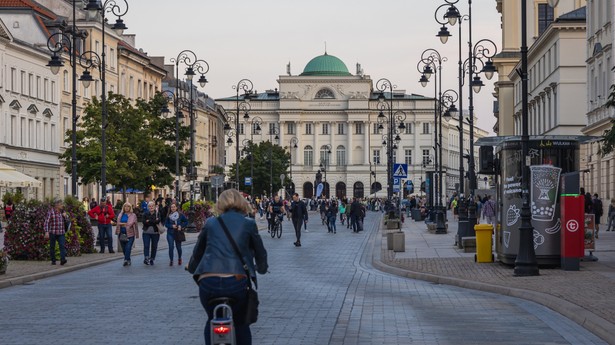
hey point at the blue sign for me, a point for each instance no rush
(400, 170)
(409, 185)
(248, 181)
(396, 184)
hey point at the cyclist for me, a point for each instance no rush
(276, 209)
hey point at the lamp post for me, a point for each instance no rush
(525, 263)
(274, 134)
(431, 63)
(293, 145)
(192, 65)
(94, 8)
(324, 166)
(255, 125)
(247, 148)
(179, 103)
(392, 131)
(246, 86)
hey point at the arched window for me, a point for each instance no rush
(358, 190)
(325, 156)
(308, 190)
(340, 190)
(376, 187)
(341, 155)
(324, 94)
(308, 156)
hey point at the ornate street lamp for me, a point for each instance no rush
(274, 135)
(179, 103)
(430, 63)
(293, 146)
(245, 86)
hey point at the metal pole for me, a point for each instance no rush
(192, 147)
(462, 229)
(440, 223)
(103, 98)
(74, 104)
(237, 140)
(471, 168)
(177, 130)
(525, 263)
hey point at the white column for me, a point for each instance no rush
(333, 156)
(349, 146)
(366, 144)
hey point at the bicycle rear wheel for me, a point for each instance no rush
(279, 231)
(274, 229)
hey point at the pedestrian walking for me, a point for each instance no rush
(355, 215)
(104, 214)
(216, 266)
(331, 217)
(127, 230)
(151, 234)
(56, 225)
(597, 211)
(86, 204)
(342, 210)
(489, 211)
(93, 203)
(8, 209)
(611, 215)
(176, 223)
(299, 217)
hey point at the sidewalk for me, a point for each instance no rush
(21, 272)
(586, 296)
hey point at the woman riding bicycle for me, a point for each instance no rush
(216, 267)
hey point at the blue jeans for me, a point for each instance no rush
(52, 246)
(127, 247)
(104, 230)
(153, 238)
(171, 241)
(214, 287)
(332, 223)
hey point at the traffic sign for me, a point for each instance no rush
(400, 170)
(217, 181)
(396, 184)
(248, 181)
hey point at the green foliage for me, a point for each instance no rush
(140, 144)
(202, 211)
(270, 161)
(81, 234)
(17, 198)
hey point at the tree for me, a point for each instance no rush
(140, 144)
(270, 161)
(608, 142)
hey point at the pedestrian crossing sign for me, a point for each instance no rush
(400, 170)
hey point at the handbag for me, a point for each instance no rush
(161, 228)
(123, 237)
(252, 303)
(180, 236)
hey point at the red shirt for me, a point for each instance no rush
(103, 213)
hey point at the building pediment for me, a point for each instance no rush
(48, 113)
(15, 105)
(33, 109)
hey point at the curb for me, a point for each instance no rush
(585, 318)
(21, 280)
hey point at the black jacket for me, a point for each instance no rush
(298, 210)
(355, 209)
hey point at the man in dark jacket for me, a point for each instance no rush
(355, 215)
(299, 215)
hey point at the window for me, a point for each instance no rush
(426, 158)
(255, 128)
(308, 156)
(408, 128)
(375, 128)
(426, 128)
(290, 128)
(325, 155)
(66, 86)
(376, 157)
(23, 83)
(273, 128)
(324, 94)
(131, 87)
(341, 155)
(139, 89)
(53, 92)
(545, 17)
(340, 128)
(308, 128)
(394, 155)
(112, 58)
(408, 158)
(240, 128)
(13, 79)
(325, 128)
(358, 128)
(38, 88)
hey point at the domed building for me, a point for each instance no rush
(326, 108)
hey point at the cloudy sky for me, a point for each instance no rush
(257, 39)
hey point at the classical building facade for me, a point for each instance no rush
(29, 102)
(326, 107)
(599, 170)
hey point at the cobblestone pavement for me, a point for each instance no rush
(585, 296)
(325, 292)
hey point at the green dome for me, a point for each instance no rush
(327, 65)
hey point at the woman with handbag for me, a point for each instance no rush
(151, 233)
(127, 230)
(225, 246)
(175, 223)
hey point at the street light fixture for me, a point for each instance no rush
(433, 59)
(245, 86)
(179, 103)
(293, 145)
(274, 134)
(395, 123)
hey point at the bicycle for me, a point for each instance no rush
(276, 229)
(221, 325)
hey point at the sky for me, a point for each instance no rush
(257, 39)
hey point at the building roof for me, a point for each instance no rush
(325, 65)
(28, 4)
(577, 15)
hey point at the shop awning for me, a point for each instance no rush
(9, 177)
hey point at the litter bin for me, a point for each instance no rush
(416, 214)
(484, 252)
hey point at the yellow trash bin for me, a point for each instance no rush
(484, 251)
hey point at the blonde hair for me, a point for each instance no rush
(232, 199)
(127, 204)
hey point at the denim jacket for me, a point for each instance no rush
(213, 253)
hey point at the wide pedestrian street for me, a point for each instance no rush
(325, 292)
